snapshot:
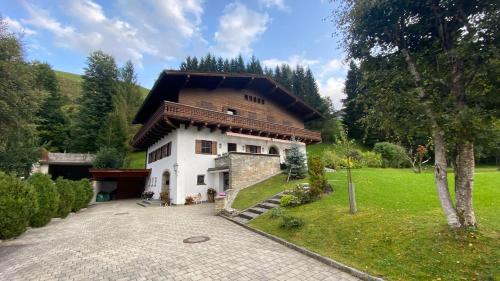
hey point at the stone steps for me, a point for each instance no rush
(257, 210)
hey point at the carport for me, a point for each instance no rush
(122, 183)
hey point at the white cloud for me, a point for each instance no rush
(280, 4)
(292, 60)
(156, 29)
(16, 27)
(334, 88)
(239, 27)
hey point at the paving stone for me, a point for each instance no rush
(146, 244)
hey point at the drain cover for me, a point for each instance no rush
(196, 239)
(119, 214)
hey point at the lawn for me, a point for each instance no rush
(257, 193)
(399, 232)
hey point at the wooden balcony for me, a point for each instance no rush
(170, 115)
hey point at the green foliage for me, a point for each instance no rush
(66, 190)
(317, 176)
(108, 157)
(98, 90)
(47, 199)
(291, 222)
(295, 161)
(83, 194)
(17, 203)
(303, 195)
(288, 200)
(52, 123)
(371, 159)
(393, 155)
(277, 212)
(334, 159)
(18, 152)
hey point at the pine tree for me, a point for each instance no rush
(220, 64)
(52, 124)
(254, 66)
(240, 64)
(295, 161)
(98, 90)
(352, 110)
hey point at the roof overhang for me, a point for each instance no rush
(107, 174)
(170, 82)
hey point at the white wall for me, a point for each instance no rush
(190, 164)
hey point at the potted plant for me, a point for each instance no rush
(165, 198)
(211, 195)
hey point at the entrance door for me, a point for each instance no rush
(165, 182)
(225, 177)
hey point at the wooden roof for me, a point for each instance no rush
(170, 82)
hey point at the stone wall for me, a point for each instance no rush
(246, 169)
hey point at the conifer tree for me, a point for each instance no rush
(295, 161)
(98, 90)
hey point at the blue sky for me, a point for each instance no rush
(159, 34)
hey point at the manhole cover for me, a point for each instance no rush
(119, 214)
(196, 239)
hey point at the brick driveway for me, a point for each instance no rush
(123, 241)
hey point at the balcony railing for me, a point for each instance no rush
(196, 115)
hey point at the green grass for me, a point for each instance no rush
(257, 193)
(137, 160)
(400, 232)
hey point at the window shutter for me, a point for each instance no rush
(214, 147)
(198, 147)
(259, 149)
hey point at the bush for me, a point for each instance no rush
(277, 213)
(393, 155)
(371, 159)
(334, 160)
(108, 157)
(289, 200)
(303, 195)
(66, 192)
(317, 176)
(17, 203)
(291, 222)
(47, 199)
(83, 194)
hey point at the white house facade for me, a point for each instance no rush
(217, 130)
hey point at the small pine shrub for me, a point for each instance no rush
(83, 194)
(296, 161)
(66, 191)
(393, 155)
(288, 200)
(17, 203)
(291, 222)
(317, 176)
(47, 199)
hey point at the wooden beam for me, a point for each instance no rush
(189, 124)
(309, 115)
(292, 104)
(249, 83)
(272, 90)
(187, 80)
(201, 126)
(220, 82)
(214, 128)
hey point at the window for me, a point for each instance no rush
(206, 147)
(252, 149)
(231, 111)
(231, 147)
(169, 148)
(246, 97)
(200, 180)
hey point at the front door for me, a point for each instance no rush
(225, 177)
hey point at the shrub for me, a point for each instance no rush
(317, 176)
(393, 155)
(17, 203)
(334, 160)
(165, 198)
(108, 157)
(291, 222)
(66, 192)
(277, 213)
(295, 159)
(303, 195)
(83, 194)
(47, 199)
(289, 200)
(371, 159)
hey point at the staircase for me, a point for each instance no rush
(257, 210)
(149, 203)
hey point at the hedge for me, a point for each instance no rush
(83, 194)
(393, 155)
(47, 198)
(66, 197)
(17, 203)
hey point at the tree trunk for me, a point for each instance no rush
(440, 176)
(351, 191)
(464, 183)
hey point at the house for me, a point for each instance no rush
(73, 166)
(217, 130)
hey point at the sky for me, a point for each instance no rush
(159, 34)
